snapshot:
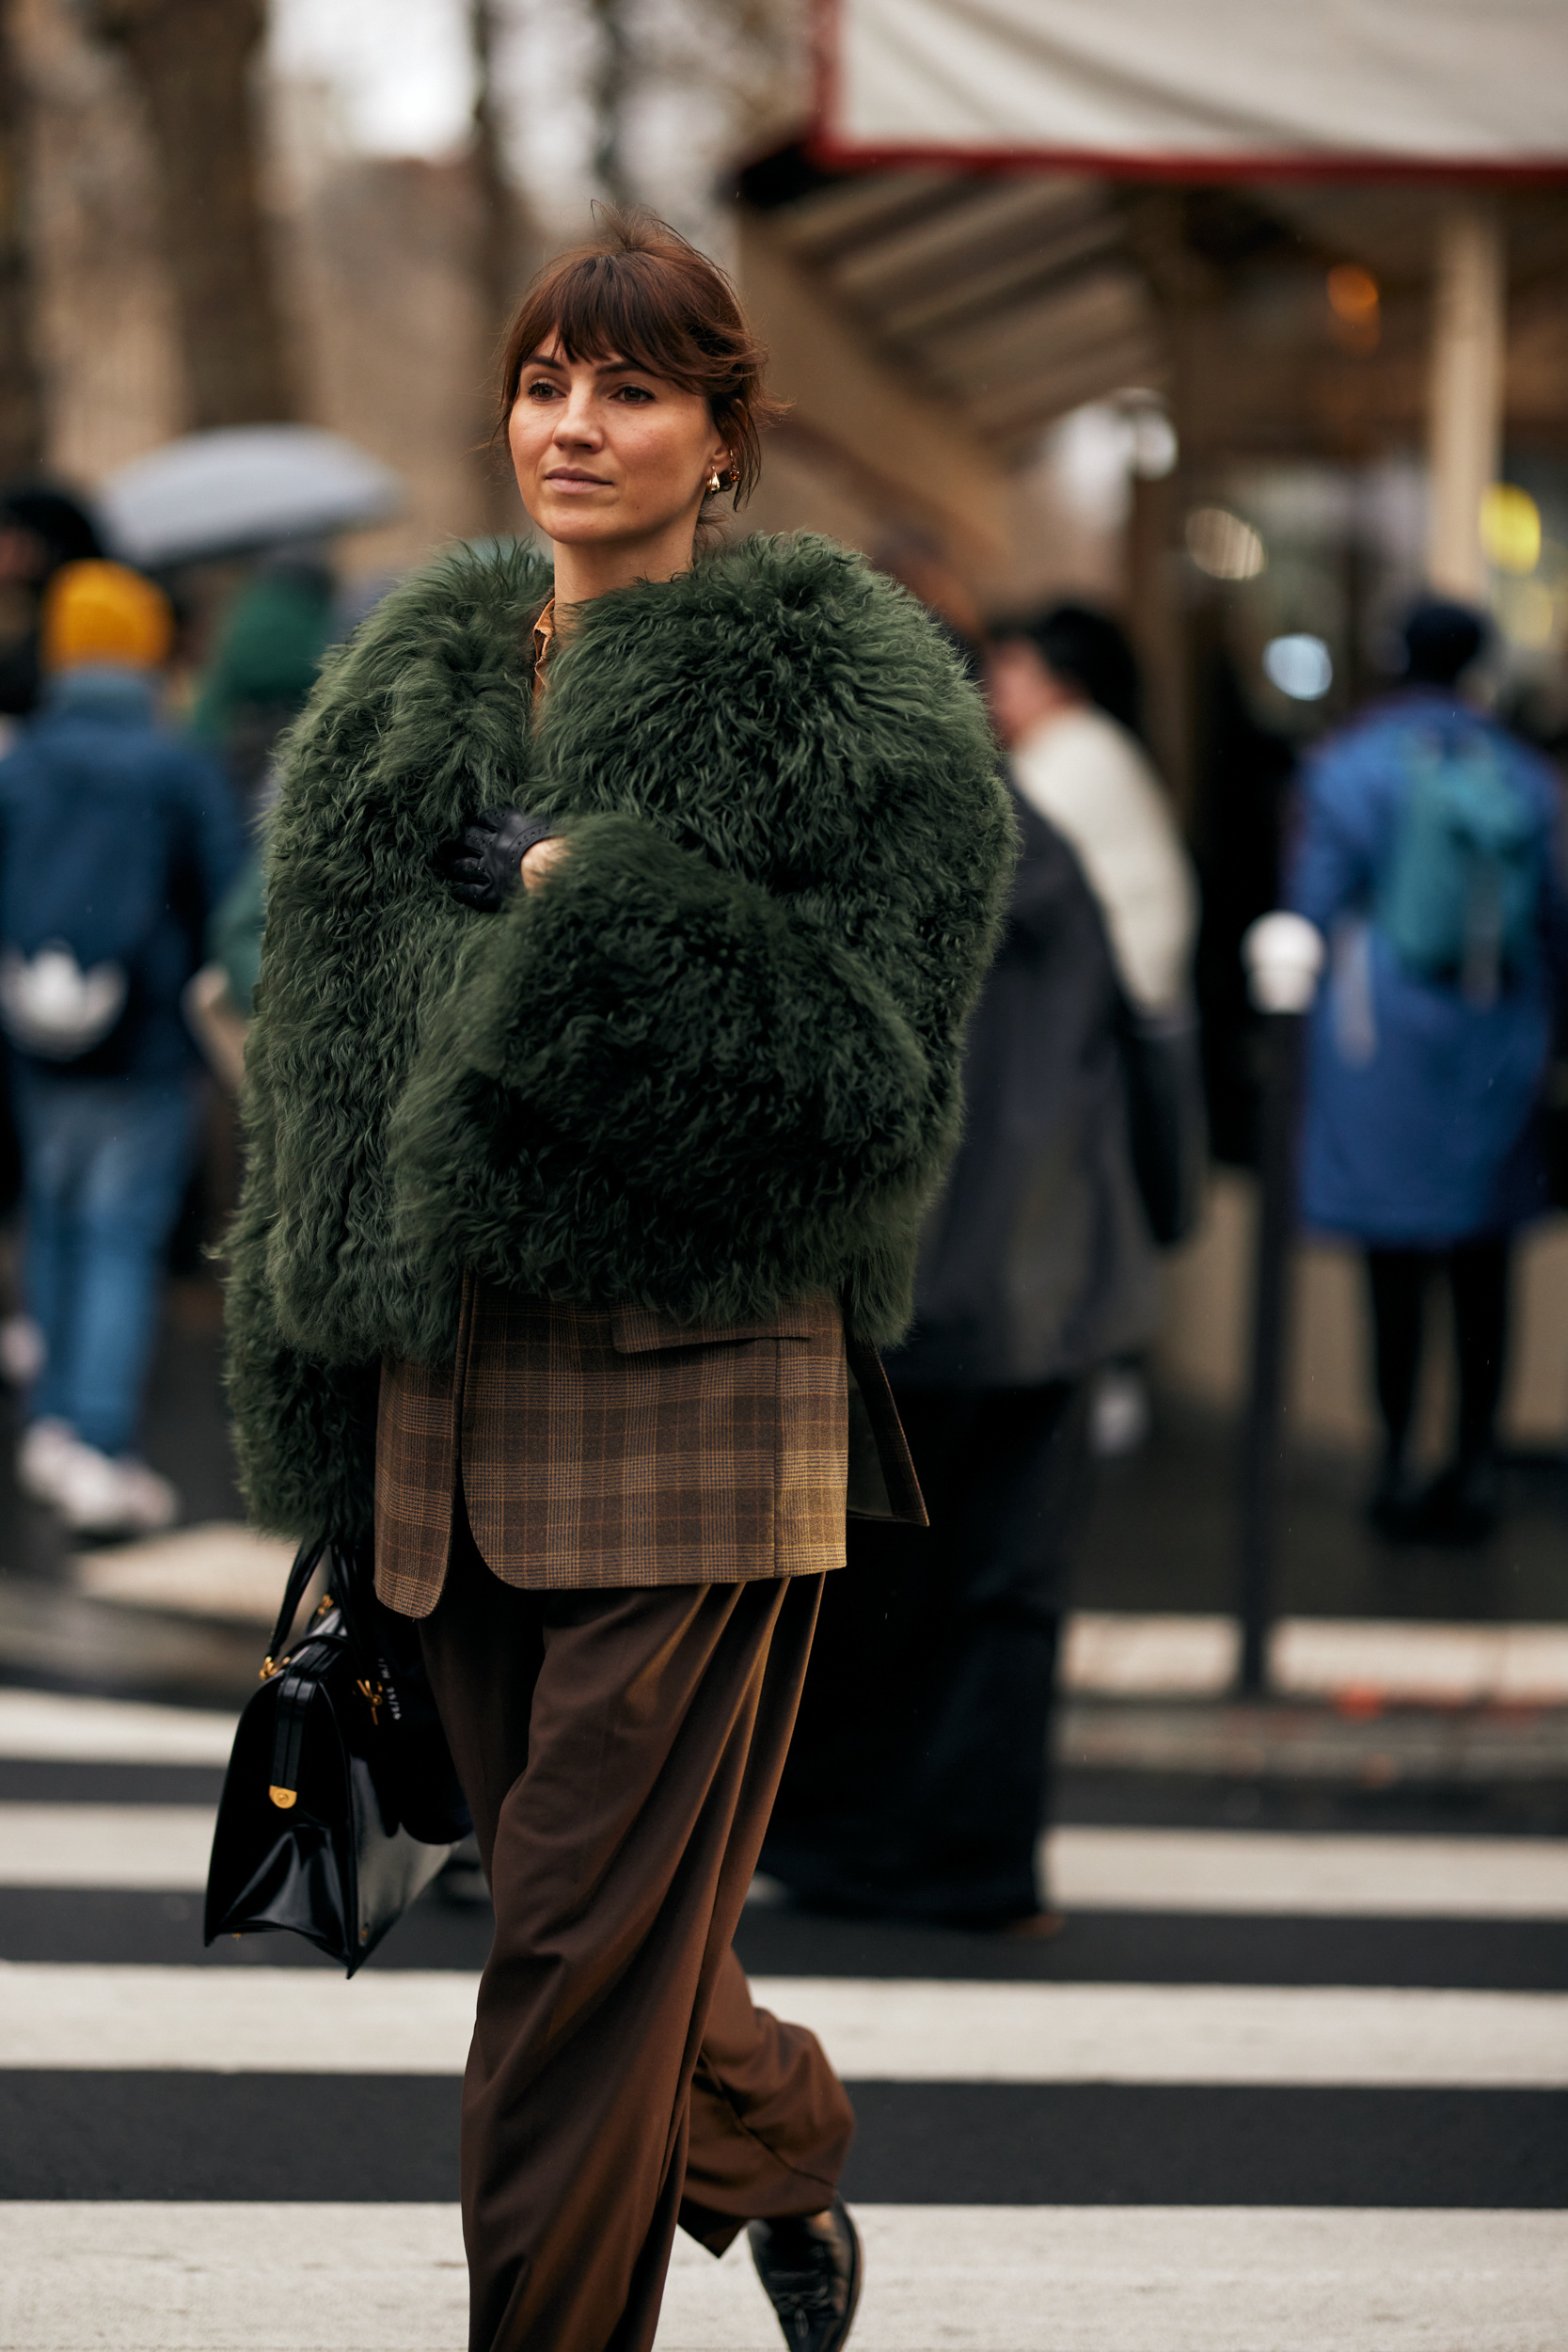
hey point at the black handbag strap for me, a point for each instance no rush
(306, 1561)
(295, 1690)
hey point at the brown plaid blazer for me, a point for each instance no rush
(624, 1449)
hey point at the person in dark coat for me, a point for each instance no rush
(916, 1786)
(41, 528)
(1427, 828)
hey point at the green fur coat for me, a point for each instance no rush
(711, 1065)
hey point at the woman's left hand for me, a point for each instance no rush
(484, 865)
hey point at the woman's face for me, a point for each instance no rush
(605, 452)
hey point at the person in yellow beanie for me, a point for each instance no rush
(96, 613)
(116, 839)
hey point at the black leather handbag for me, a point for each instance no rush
(341, 1802)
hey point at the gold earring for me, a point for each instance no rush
(713, 481)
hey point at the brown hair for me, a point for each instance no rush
(640, 292)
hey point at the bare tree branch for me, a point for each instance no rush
(502, 242)
(612, 85)
(21, 420)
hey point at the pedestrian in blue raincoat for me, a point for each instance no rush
(1426, 856)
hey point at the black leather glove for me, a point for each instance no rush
(484, 865)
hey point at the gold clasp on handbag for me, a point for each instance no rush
(283, 1797)
(273, 1666)
(372, 1695)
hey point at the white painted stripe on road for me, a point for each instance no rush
(1126, 1654)
(51, 1725)
(220, 1569)
(105, 1845)
(418, 2022)
(1268, 1871)
(285, 2021)
(1236, 1871)
(282, 2277)
(1133, 2033)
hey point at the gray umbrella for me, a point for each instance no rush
(245, 487)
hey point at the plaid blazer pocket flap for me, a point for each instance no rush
(638, 1331)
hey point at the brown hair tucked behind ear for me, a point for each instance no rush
(641, 293)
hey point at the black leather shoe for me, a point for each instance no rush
(811, 2270)
(1461, 1506)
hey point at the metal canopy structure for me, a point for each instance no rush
(1188, 247)
(1009, 299)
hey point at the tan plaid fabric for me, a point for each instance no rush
(623, 1449)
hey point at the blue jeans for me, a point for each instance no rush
(106, 1162)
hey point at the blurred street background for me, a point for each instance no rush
(1294, 2071)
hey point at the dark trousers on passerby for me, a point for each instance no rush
(917, 1781)
(620, 1751)
(1400, 1283)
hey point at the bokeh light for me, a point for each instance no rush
(1222, 544)
(1353, 294)
(1511, 529)
(1300, 665)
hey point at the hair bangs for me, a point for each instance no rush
(608, 309)
(642, 293)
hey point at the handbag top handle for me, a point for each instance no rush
(306, 1560)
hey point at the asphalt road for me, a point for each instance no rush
(1181, 2123)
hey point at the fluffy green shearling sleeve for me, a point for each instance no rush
(714, 1063)
(702, 1072)
(304, 1430)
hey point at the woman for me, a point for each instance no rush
(598, 1192)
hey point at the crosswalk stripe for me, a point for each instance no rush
(105, 1845)
(135, 2277)
(1141, 1869)
(1055, 2077)
(1122, 1653)
(116, 1731)
(1272, 1870)
(418, 2022)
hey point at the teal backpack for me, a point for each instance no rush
(1459, 902)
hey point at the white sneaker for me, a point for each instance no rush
(44, 1457)
(1118, 1413)
(22, 1351)
(100, 1497)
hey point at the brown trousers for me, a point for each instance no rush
(620, 1751)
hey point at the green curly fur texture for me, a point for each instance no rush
(712, 1064)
